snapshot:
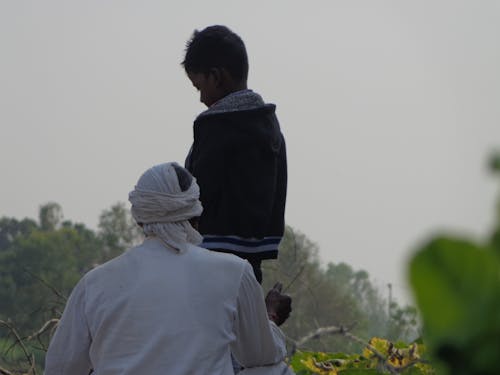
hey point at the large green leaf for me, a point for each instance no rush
(457, 288)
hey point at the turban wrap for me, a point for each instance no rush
(163, 209)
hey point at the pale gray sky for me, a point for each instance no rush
(389, 109)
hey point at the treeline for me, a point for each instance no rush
(334, 294)
(41, 261)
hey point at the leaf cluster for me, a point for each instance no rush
(380, 356)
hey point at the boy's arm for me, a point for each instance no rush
(206, 163)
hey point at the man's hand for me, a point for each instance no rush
(278, 305)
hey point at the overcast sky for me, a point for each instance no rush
(389, 109)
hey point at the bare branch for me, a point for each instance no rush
(322, 331)
(332, 330)
(48, 324)
(295, 278)
(54, 290)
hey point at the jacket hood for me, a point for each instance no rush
(253, 118)
(236, 101)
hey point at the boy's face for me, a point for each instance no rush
(208, 84)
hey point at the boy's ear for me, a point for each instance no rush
(218, 76)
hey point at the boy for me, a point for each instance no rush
(238, 154)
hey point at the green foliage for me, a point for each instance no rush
(11, 228)
(333, 296)
(53, 257)
(380, 356)
(306, 363)
(41, 263)
(457, 287)
(495, 162)
(456, 283)
(14, 358)
(50, 215)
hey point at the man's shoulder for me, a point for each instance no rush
(222, 267)
(113, 265)
(103, 269)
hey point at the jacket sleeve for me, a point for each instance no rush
(206, 162)
(68, 351)
(259, 342)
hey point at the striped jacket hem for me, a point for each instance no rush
(263, 248)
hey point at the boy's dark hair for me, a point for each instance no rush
(216, 47)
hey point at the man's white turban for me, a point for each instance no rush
(159, 203)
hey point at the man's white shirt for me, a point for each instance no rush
(156, 311)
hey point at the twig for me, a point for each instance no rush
(44, 328)
(320, 340)
(56, 292)
(52, 324)
(4, 371)
(30, 358)
(331, 330)
(295, 278)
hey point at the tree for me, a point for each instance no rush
(118, 230)
(333, 296)
(494, 239)
(36, 266)
(11, 228)
(42, 263)
(50, 216)
(39, 260)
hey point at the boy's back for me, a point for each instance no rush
(238, 155)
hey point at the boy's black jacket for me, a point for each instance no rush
(239, 160)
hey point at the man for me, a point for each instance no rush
(168, 306)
